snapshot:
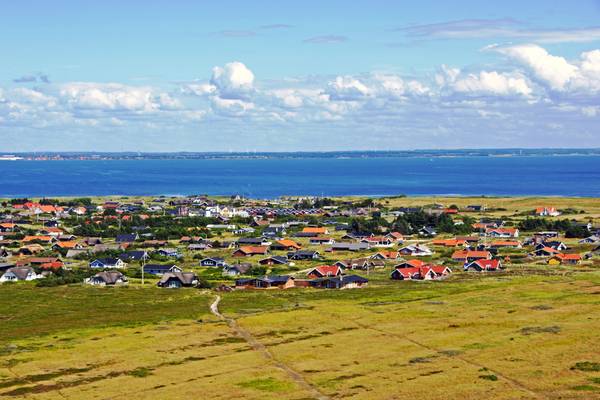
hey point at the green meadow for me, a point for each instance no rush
(528, 333)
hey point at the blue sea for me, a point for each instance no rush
(327, 176)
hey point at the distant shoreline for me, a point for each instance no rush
(83, 156)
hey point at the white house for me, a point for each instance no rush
(108, 263)
(20, 274)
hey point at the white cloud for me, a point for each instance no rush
(347, 88)
(233, 80)
(554, 70)
(493, 83)
(531, 90)
(234, 107)
(114, 97)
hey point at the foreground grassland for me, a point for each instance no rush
(526, 334)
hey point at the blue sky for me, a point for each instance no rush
(268, 75)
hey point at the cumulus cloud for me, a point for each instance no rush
(579, 76)
(554, 70)
(233, 81)
(493, 83)
(530, 91)
(347, 88)
(115, 97)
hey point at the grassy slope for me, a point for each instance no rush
(393, 340)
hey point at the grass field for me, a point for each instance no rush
(507, 336)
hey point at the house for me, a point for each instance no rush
(274, 260)
(15, 274)
(426, 272)
(199, 246)
(159, 269)
(176, 280)
(285, 244)
(545, 252)
(565, 259)
(411, 264)
(416, 250)
(67, 245)
(127, 238)
(92, 241)
(360, 263)
(213, 262)
(427, 231)
(554, 244)
(168, 252)
(108, 263)
(449, 242)
(349, 246)
(236, 269)
(590, 240)
(107, 278)
(386, 255)
(503, 244)
(273, 231)
(483, 265)
(31, 249)
(267, 282)
(8, 227)
(378, 241)
(339, 282)
(475, 208)
(395, 236)
(468, 239)
(317, 231)
(320, 240)
(40, 262)
(247, 251)
(134, 255)
(304, 255)
(67, 238)
(253, 242)
(502, 232)
(546, 235)
(470, 255)
(154, 243)
(4, 266)
(38, 239)
(547, 212)
(325, 271)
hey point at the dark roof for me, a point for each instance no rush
(279, 259)
(215, 259)
(133, 255)
(250, 240)
(107, 260)
(277, 279)
(127, 237)
(242, 268)
(186, 278)
(159, 267)
(110, 277)
(344, 280)
(20, 272)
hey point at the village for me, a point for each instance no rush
(234, 243)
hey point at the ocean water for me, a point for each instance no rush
(270, 178)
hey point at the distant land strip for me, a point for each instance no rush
(516, 152)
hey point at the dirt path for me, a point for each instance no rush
(259, 347)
